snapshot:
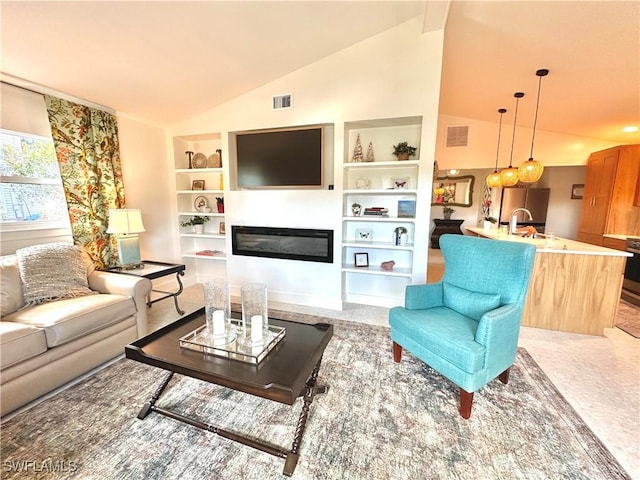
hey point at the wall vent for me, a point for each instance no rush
(281, 102)
(457, 136)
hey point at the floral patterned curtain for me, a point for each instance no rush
(88, 152)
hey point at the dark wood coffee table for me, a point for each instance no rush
(289, 371)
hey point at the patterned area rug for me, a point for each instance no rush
(379, 420)
(628, 318)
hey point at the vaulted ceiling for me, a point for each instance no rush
(162, 62)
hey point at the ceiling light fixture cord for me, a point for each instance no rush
(540, 73)
(501, 111)
(518, 96)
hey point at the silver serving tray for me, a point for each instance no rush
(231, 345)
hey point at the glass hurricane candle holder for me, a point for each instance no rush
(217, 306)
(255, 319)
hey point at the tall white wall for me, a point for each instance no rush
(147, 186)
(394, 74)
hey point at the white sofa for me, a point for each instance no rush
(45, 345)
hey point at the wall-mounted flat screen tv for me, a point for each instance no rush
(281, 158)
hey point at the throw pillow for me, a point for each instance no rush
(52, 271)
(11, 299)
(468, 303)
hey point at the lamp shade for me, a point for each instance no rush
(125, 221)
(509, 176)
(530, 171)
(494, 180)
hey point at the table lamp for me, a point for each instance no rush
(126, 223)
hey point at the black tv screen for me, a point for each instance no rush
(283, 158)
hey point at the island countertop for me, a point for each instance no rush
(560, 245)
(575, 287)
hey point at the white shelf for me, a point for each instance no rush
(382, 286)
(393, 164)
(198, 170)
(219, 258)
(199, 192)
(203, 235)
(378, 245)
(200, 214)
(381, 191)
(373, 270)
(379, 219)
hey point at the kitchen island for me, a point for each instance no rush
(575, 287)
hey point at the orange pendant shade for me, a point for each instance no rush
(530, 171)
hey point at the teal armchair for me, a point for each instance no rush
(466, 326)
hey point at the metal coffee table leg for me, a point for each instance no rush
(311, 390)
(291, 457)
(150, 405)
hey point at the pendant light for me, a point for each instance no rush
(494, 180)
(531, 170)
(509, 175)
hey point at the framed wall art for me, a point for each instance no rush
(400, 183)
(364, 235)
(197, 185)
(361, 259)
(577, 191)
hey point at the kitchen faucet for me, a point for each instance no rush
(514, 219)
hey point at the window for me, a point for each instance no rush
(31, 194)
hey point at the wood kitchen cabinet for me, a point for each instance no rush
(608, 203)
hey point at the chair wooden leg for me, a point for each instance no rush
(504, 376)
(397, 352)
(466, 399)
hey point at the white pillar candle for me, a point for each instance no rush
(218, 322)
(256, 328)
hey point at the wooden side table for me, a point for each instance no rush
(442, 227)
(152, 270)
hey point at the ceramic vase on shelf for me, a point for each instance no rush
(486, 224)
(199, 228)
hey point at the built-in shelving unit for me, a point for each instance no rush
(214, 238)
(385, 183)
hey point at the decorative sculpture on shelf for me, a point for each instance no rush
(357, 152)
(370, 157)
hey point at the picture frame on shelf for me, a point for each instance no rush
(361, 259)
(364, 235)
(197, 185)
(406, 208)
(201, 204)
(222, 229)
(400, 183)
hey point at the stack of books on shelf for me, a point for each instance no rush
(210, 253)
(376, 211)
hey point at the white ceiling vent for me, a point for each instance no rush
(457, 136)
(281, 102)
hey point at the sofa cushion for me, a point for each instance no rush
(470, 304)
(52, 271)
(68, 319)
(19, 342)
(11, 298)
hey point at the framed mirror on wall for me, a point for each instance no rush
(453, 191)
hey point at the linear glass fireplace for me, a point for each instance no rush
(288, 243)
